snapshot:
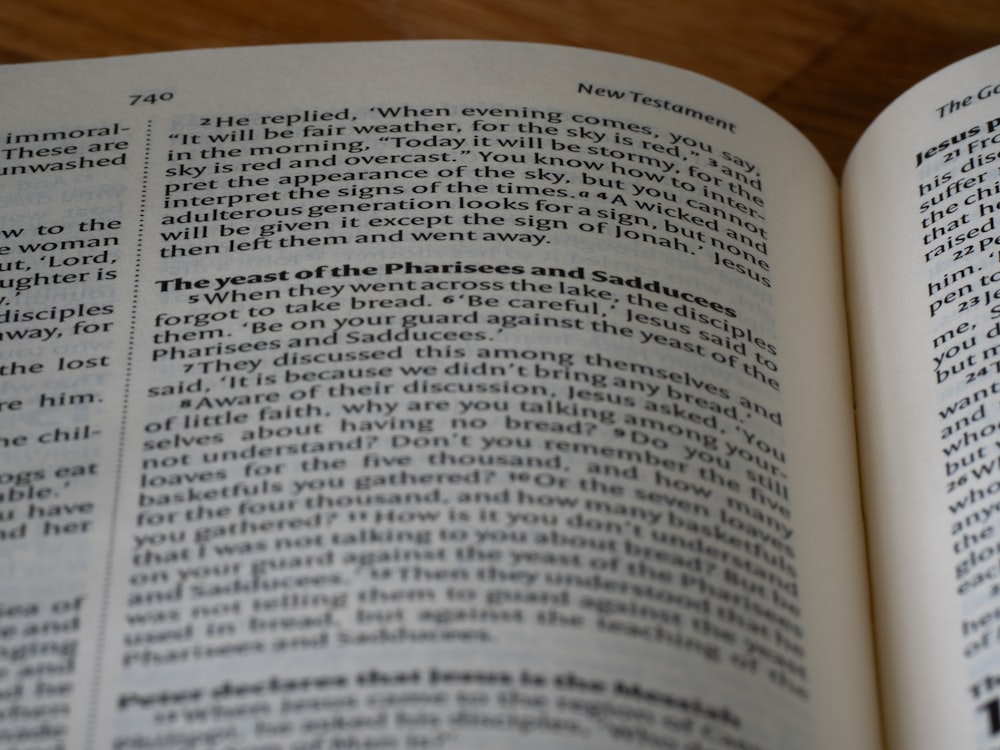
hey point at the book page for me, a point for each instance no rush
(422, 396)
(921, 197)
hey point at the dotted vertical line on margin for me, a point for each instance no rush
(99, 645)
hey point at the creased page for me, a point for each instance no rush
(431, 395)
(921, 199)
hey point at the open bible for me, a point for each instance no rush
(465, 394)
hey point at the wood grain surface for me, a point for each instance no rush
(829, 66)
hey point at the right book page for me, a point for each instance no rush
(921, 196)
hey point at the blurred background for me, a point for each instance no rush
(829, 66)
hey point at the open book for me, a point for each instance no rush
(451, 395)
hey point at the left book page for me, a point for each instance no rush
(421, 395)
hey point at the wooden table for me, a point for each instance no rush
(829, 66)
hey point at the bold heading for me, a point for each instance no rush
(950, 147)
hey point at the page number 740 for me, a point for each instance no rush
(155, 98)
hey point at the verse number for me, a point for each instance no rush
(992, 711)
(161, 96)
